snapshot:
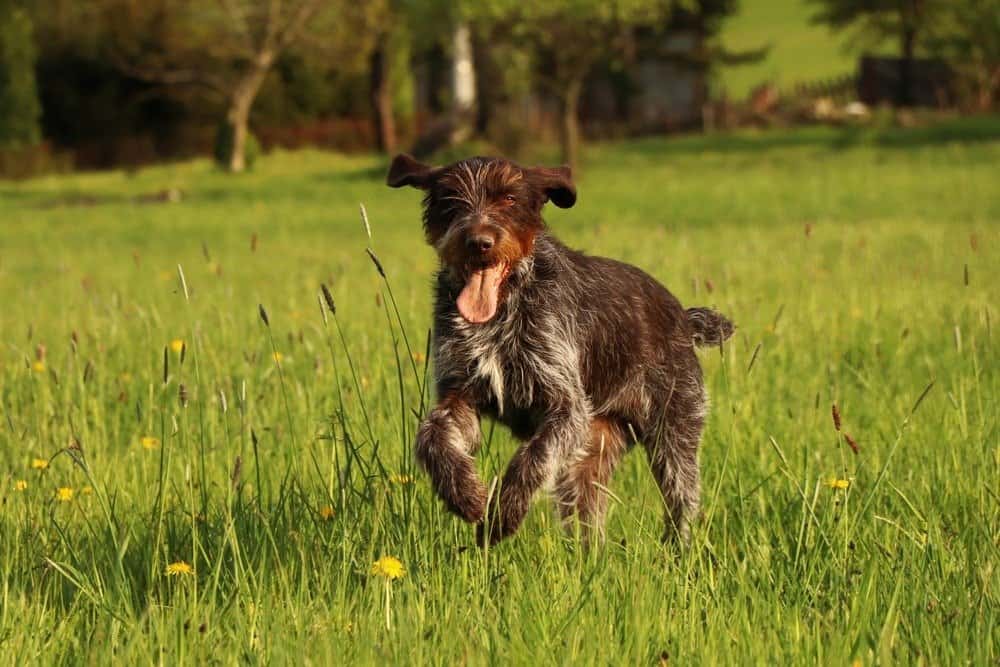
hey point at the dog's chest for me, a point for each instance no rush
(491, 360)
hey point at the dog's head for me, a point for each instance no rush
(482, 216)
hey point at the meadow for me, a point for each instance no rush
(799, 50)
(201, 462)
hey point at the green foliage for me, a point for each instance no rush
(20, 109)
(400, 72)
(860, 267)
(967, 36)
(878, 21)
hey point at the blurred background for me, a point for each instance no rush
(98, 84)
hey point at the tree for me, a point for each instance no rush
(227, 47)
(442, 30)
(968, 37)
(380, 82)
(568, 37)
(388, 19)
(878, 20)
(19, 107)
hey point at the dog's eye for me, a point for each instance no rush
(509, 200)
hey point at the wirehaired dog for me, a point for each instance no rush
(579, 356)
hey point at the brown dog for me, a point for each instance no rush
(579, 356)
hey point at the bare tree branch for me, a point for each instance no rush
(239, 21)
(307, 10)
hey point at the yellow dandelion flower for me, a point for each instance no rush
(326, 512)
(38, 366)
(39, 464)
(177, 345)
(401, 479)
(64, 494)
(388, 567)
(839, 484)
(125, 377)
(419, 357)
(20, 485)
(278, 356)
(178, 568)
(149, 442)
(87, 490)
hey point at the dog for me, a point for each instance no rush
(580, 356)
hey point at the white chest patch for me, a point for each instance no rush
(490, 369)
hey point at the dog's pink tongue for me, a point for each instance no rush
(478, 300)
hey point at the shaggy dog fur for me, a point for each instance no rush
(581, 357)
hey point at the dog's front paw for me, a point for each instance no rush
(452, 469)
(502, 520)
(468, 502)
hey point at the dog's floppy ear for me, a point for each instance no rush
(557, 183)
(406, 170)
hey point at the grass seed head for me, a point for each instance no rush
(184, 286)
(364, 219)
(263, 315)
(378, 264)
(234, 478)
(329, 299)
(836, 417)
(852, 442)
(322, 309)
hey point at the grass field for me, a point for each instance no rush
(275, 461)
(800, 51)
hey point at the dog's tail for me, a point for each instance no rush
(709, 327)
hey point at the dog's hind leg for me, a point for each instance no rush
(446, 442)
(671, 444)
(582, 484)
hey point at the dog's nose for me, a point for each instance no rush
(479, 242)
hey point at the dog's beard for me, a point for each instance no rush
(479, 299)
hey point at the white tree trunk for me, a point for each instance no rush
(463, 70)
(241, 100)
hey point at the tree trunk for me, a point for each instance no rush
(238, 118)
(570, 122)
(238, 115)
(381, 99)
(463, 71)
(909, 41)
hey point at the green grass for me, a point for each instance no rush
(800, 51)
(842, 258)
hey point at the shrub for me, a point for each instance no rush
(19, 107)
